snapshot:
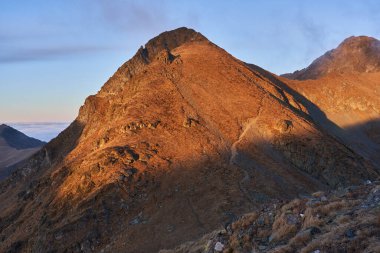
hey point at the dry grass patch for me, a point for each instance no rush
(283, 226)
(312, 218)
(295, 205)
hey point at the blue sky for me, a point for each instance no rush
(53, 54)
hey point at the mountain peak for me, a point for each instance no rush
(172, 39)
(358, 41)
(355, 54)
(166, 41)
(3, 126)
(169, 40)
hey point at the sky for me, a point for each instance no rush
(53, 54)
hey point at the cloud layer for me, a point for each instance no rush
(40, 131)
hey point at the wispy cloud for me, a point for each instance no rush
(314, 34)
(38, 54)
(95, 26)
(131, 16)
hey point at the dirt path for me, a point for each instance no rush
(242, 161)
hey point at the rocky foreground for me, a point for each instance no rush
(346, 220)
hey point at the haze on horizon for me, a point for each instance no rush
(53, 54)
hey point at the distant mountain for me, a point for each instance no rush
(15, 147)
(181, 139)
(344, 85)
(355, 54)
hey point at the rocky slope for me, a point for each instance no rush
(181, 139)
(15, 147)
(355, 54)
(347, 220)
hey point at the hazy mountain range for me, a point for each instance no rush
(15, 147)
(44, 131)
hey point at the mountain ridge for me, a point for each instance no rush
(162, 149)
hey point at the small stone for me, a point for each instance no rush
(308, 233)
(85, 246)
(262, 247)
(284, 126)
(131, 171)
(350, 233)
(260, 221)
(144, 157)
(291, 219)
(190, 122)
(58, 236)
(136, 220)
(318, 194)
(170, 228)
(314, 231)
(219, 247)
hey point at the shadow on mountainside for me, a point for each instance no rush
(365, 140)
(181, 202)
(353, 137)
(318, 116)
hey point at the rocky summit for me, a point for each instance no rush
(182, 139)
